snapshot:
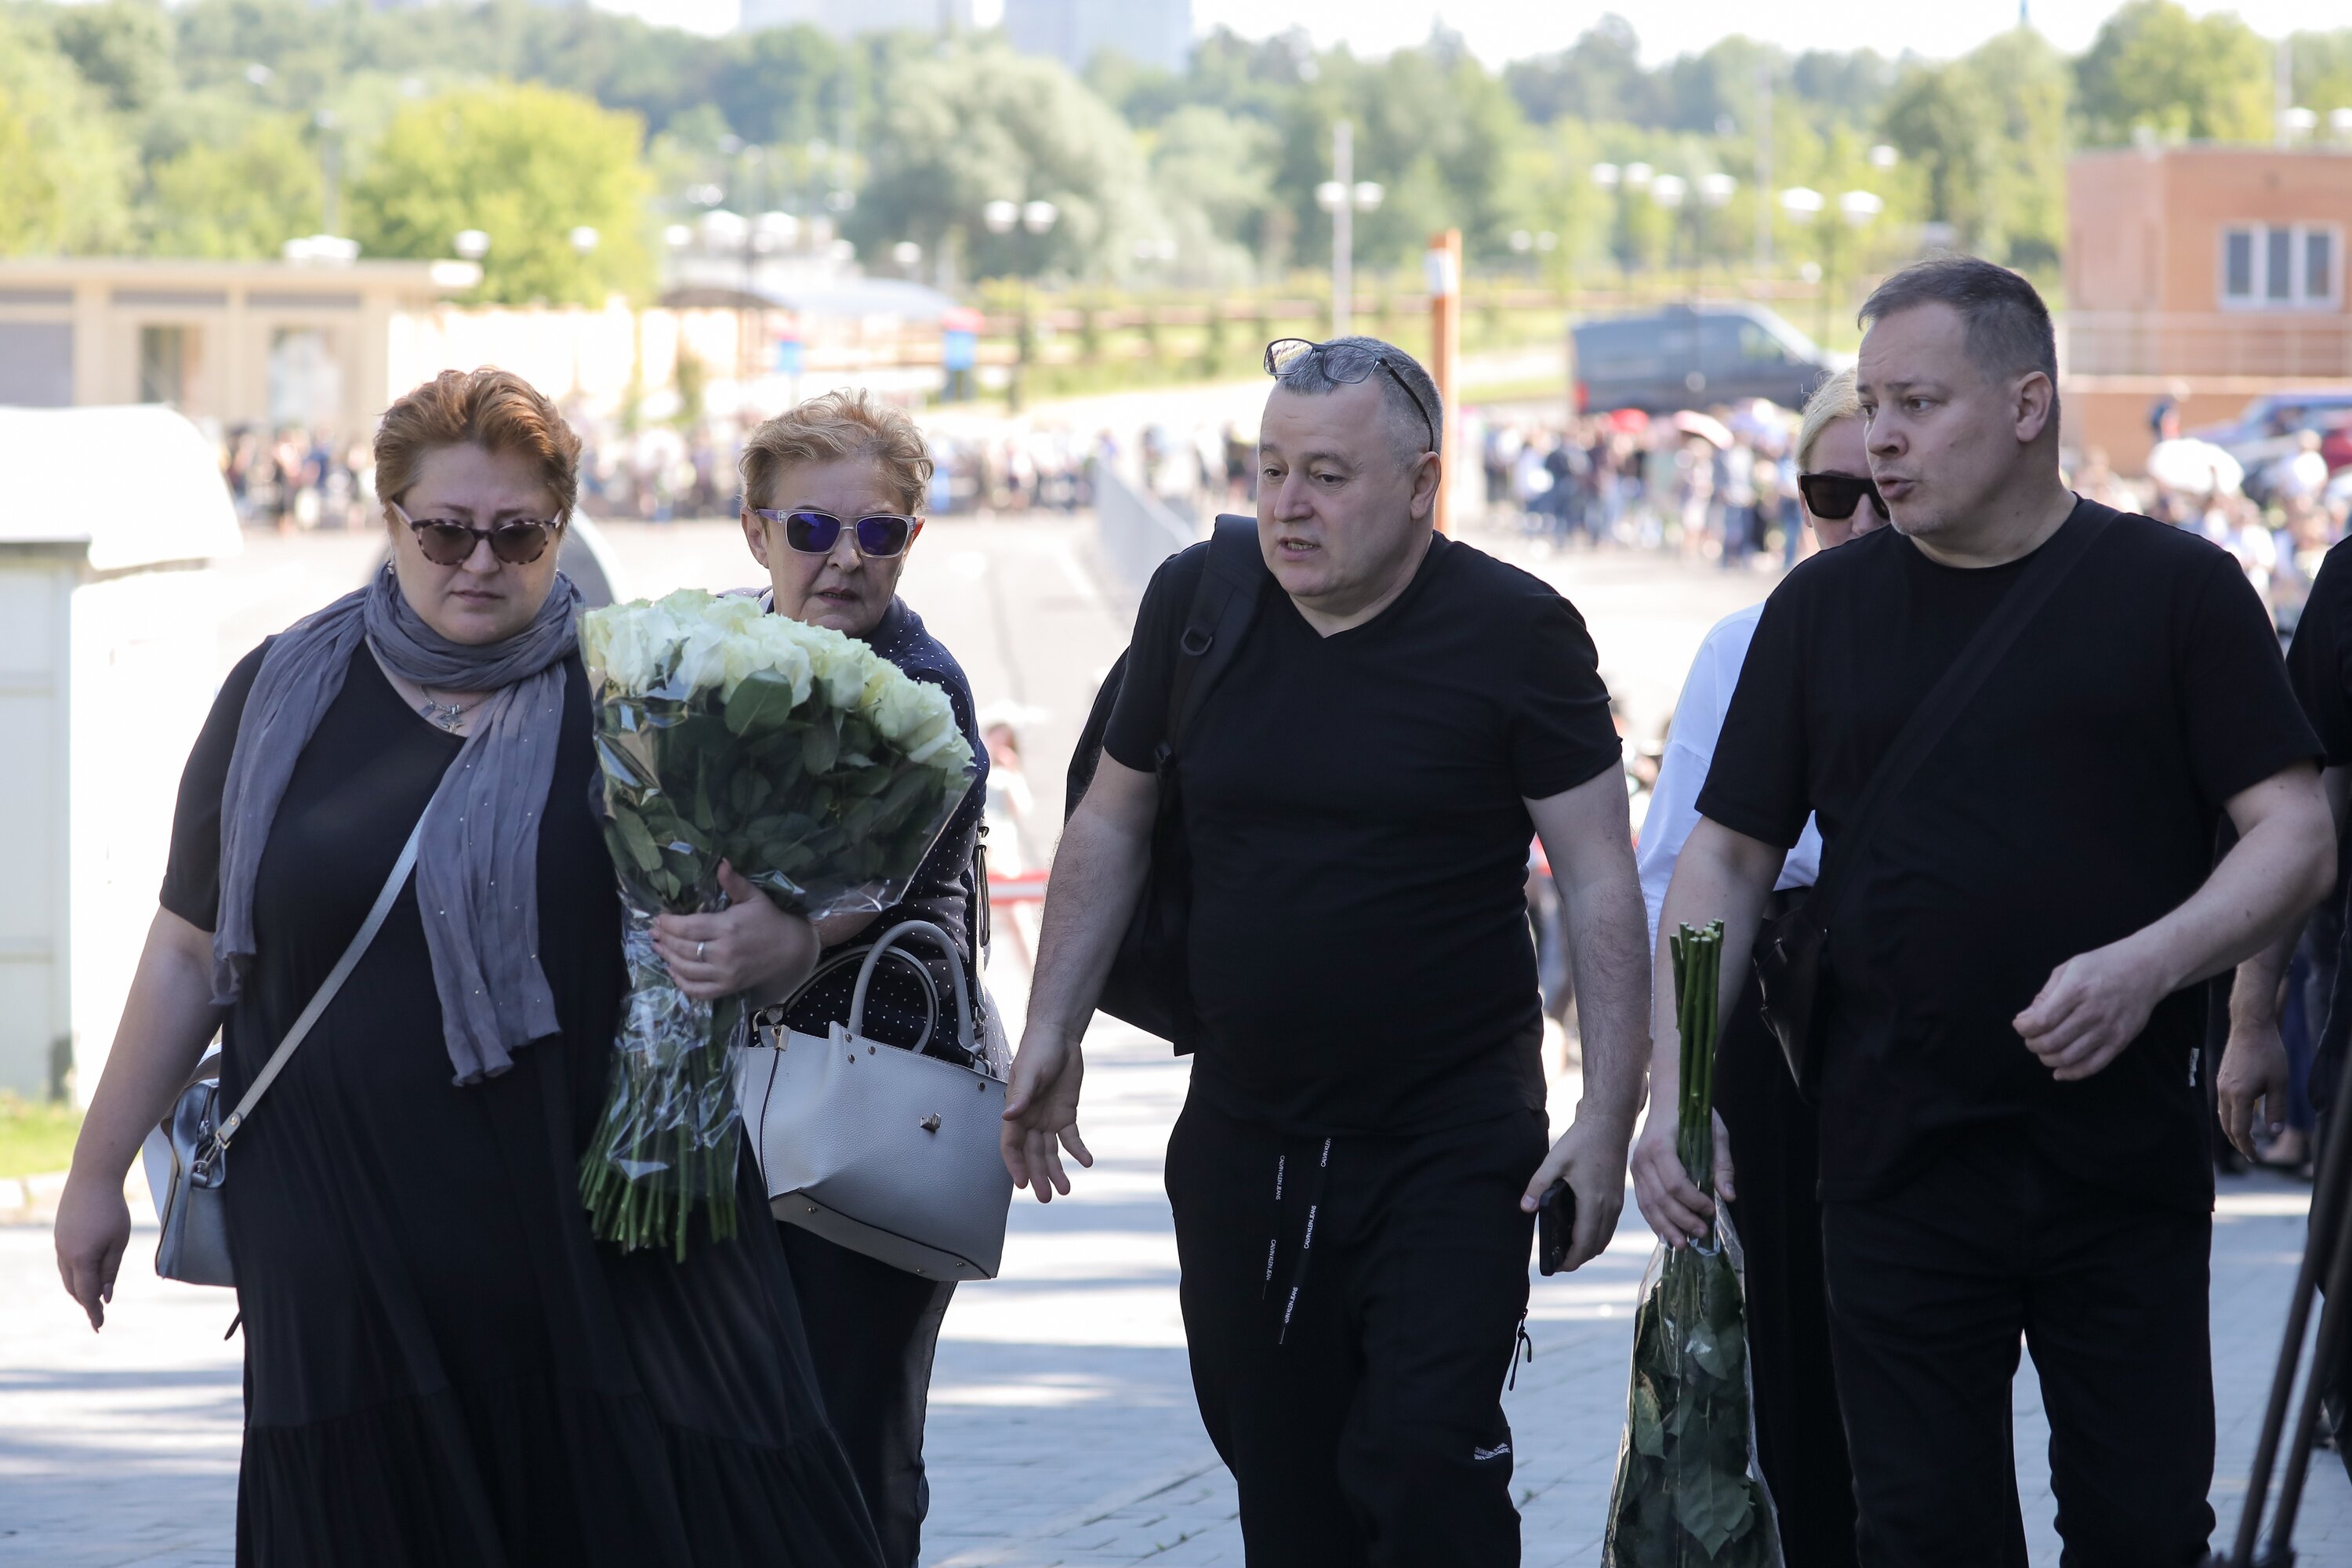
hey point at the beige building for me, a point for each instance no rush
(265, 343)
(2216, 272)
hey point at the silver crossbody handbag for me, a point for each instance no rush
(186, 1155)
(888, 1153)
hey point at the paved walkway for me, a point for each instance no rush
(1062, 1425)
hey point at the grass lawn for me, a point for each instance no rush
(35, 1139)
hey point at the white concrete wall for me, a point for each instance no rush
(142, 682)
(36, 597)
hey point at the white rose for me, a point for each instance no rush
(685, 605)
(616, 640)
(767, 644)
(734, 613)
(913, 715)
(702, 657)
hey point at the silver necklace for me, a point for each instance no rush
(448, 715)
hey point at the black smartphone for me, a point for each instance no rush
(1555, 1226)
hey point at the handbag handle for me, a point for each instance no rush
(955, 968)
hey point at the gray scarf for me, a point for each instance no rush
(477, 865)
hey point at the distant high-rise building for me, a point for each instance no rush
(1149, 32)
(847, 18)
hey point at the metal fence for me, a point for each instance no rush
(1137, 530)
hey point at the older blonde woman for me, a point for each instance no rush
(1800, 1438)
(441, 1366)
(832, 499)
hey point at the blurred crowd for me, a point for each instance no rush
(1721, 486)
(1718, 486)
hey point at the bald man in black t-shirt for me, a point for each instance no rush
(1355, 1172)
(2012, 1136)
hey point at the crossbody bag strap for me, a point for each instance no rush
(1220, 613)
(327, 987)
(1942, 706)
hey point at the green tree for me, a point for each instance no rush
(1989, 133)
(65, 171)
(245, 198)
(122, 48)
(980, 124)
(2206, 78)
(1598, 78)
(1212, 182)
(2323, 71)
(525, 165)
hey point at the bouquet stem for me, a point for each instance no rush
(669, 1141)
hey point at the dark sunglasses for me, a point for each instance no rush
(1834, 497)
(1346, 363)
(446, 541)
(880, 537)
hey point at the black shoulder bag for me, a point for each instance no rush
(1789, 953)
(1149, 985)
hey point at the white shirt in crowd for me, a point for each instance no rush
(1690, 752)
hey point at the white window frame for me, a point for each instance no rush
(2299, 296)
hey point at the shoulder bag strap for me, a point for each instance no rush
(1944, 702)
(1220, 615)
(327, 987)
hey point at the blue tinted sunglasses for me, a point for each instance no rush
(880, 536)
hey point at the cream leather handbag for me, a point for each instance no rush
(881, 1149)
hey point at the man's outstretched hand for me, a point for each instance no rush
(1041, 1115)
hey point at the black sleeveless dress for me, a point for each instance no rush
(441, 1366)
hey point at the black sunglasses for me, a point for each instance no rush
(1834, 497)
(878, 537)
(446, 541)
(1346, 363)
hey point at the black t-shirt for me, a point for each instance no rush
(2319, 661)
(1355, 811)
(2074, 802)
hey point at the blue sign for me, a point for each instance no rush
(788, 356)
(959, 350)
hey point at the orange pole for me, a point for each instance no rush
(1442, 265)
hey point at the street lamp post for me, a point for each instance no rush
(1343, 195)
(1038, 218)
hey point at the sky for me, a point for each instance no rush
(1499, 30)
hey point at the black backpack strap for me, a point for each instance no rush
(1945, 700)
(1216, 622)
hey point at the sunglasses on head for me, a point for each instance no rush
(446, 541)
(1834, 497)
(810, 532)
(1346, 363)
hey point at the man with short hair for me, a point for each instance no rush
(1363, 1145)
(2012, 1137)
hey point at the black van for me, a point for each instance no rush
(1692, 356)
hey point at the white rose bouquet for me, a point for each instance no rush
(820, 770)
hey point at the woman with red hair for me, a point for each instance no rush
(441, 1366)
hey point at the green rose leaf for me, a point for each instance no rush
(1649, 1435)
(1714, 1507)
(762, 701)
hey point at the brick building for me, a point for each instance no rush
(2216, 272)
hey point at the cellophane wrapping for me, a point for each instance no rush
(1689, 1492)
(815, 768)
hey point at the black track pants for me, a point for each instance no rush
(1930, 1288)
(1358, 1399)
(872, 1331)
